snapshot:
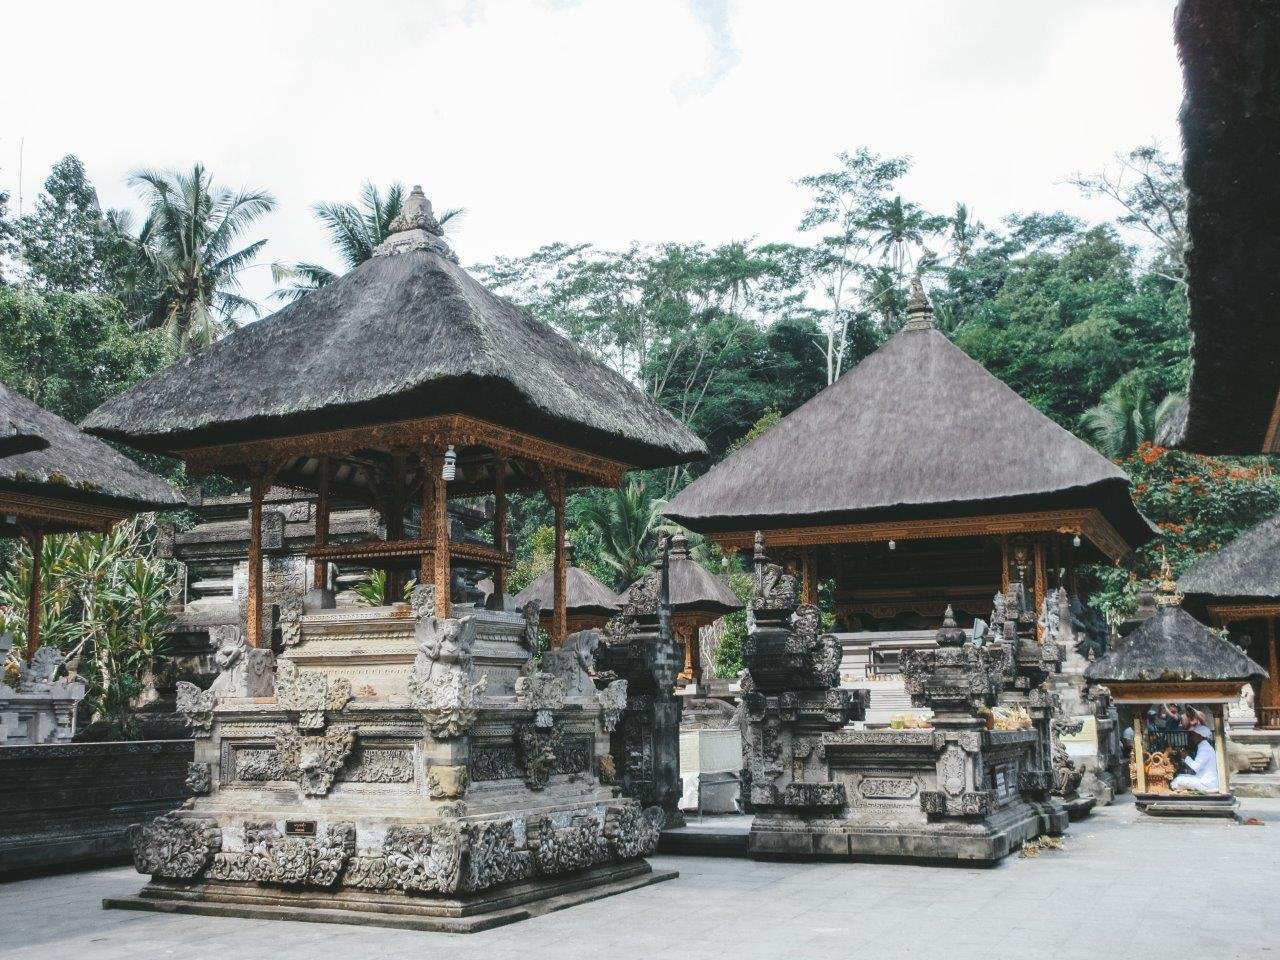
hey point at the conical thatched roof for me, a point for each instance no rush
(917, 429)
(407, 334)
(74, 466)
(1172, 645)
(584, 594)
(693, 586)
(1248, 566)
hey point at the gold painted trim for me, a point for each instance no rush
(1224, 613)
(458, 429)
(41, 510)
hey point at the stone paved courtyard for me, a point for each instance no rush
(1122, 886)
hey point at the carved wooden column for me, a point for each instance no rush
(259, 484)
(435, 567)
(35, 539)
(559, 616)
(320, 569)
(1041, 588)
(1004, 564)
(397, 500)
(1272, 684)
(1139, 750)
(500, 525)
(808, 576)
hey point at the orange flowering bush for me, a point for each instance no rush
(1198, 503)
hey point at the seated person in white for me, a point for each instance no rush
(1202, 762)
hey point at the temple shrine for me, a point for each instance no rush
(411, 762)
(588, 603)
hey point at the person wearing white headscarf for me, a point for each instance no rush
(1202, 763)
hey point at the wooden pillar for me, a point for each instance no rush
(435, 567)
(809, 576)
(500, 524)
(396, 502)
(1072, 588)
(1004, 564)
(1220, 747)
(320, 569)
(559, 615)
(1041, 588)
(1139, 752)
(1272, 685)
(259, 483)
(35, 539)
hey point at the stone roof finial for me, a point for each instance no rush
(416, 228)
(919, 310)
(759, 555)
(679, 545)
(1167, 594)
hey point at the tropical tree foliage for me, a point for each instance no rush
(103, 602)
(626, 522)
(190, 241)
(1125, 417)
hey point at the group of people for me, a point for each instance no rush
(1186, 734)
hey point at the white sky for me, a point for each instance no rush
(597, 120)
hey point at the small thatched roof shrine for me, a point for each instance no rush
(67, 479)
(585, 596)
(1231, 139)
(694, 589)
(1246, 568)
(56, 479)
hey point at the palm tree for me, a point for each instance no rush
(355, 230)
(965, 231)
(188, 241)
(1124, 418)
(901, 225)
(625, 520)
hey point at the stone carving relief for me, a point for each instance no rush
(314, 761)
(243, 671)
(536, 751)
(772, 588)
(199, 778)
(268, 857)
(442, 684)
(541, 693)
(38, 676)
(175, 847)
(379, 766)
(310, 693)
(446, 782)
(426, 859)
(531, 639)
(888, 788)
(574, 663)
(613, 702)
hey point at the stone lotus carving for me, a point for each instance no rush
(613, 702)
(314, 761)
(442, 683)
(175, 847)
(199, 777)
(310, 693)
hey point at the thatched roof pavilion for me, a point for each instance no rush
(697, 598)
(1239, 587)
(19, 439)
(405, 379)
(1231, 139)
(918, 442)
(588, 602)
(1174, 658)
(65, 481)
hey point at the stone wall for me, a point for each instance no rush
(67, 804)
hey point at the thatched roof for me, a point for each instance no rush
(916, 429)
(407, 334)
(584, 594)
(19, 439)
(74, 466)
(693, 587)
(1172, 645)
(1248, 566)
(1231, 138)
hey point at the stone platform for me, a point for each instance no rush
(1222, 806)
(458, 915)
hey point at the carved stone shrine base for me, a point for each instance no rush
(981, 841)
(465, 914)
(1212, 806)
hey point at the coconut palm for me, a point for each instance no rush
(964, 233)
(355, 230)
(1124, 418)
(626, 522)
(901, 225)
(188, 241)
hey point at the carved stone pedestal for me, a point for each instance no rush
(407, 771)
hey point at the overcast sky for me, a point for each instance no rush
(599, 121)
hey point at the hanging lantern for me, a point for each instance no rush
(893, 545)
(450, 463)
